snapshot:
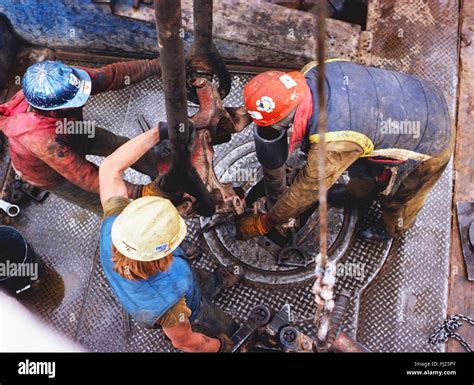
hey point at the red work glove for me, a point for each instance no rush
(253, 225)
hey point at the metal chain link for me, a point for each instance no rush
(448, 330)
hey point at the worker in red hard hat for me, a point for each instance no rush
(287, 91)
(391, 131)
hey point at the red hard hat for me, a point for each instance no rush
(272, 95)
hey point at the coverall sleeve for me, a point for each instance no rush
(304, 191)
(122, 74)
(66, 162)
(75, 168)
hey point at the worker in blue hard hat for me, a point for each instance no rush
(48, 137)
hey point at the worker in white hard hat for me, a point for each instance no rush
(146, 268)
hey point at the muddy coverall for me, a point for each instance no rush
(56, 162)
(391, 131)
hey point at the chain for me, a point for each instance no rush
(448, 330)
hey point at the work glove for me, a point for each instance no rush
(226, 343)
(153, 189)
(253, 225)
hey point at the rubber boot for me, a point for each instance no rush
(375, 233)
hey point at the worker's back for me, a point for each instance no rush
(394, 110)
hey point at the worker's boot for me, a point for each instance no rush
(338, 195)
(374, 233)
(212, 283)
(228, 278)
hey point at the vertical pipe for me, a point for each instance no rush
(202, 16)
(181, 175)
(204, 54)
(275, 184)
(337, 315)
(272, 152)
(171, 48)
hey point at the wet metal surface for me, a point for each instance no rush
(77, 299)
(236, 162)
(398, 298)
(73, 24)
(409, 297)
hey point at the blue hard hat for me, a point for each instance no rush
(52, 85)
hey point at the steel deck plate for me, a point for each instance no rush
(396, 311)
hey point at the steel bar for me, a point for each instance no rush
(320, 317)
(204, 55)
(181, 174)
(168, 21)
(202, 14)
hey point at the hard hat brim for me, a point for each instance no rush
(116, 235)
(82, 95)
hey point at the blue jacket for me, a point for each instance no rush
(147, 300)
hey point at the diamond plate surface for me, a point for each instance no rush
(110, 110)
(101, 326)
(417, 37)
(408, 299)
(369, 258)
(65, 237)
(90, 313)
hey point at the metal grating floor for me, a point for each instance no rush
(394, 310)
(409, 298)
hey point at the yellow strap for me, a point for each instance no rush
(351, 136)
(362, 140)
(308, 67)
(368, 147)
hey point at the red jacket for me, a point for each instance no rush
(45, 159)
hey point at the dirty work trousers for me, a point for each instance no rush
(399, 210)
(211, 319)
(103, 143)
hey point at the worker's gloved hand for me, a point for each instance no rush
(134, 191)
(253, 225)
(152, 189)
(226, 343)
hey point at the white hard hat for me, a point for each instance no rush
(149, 228)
